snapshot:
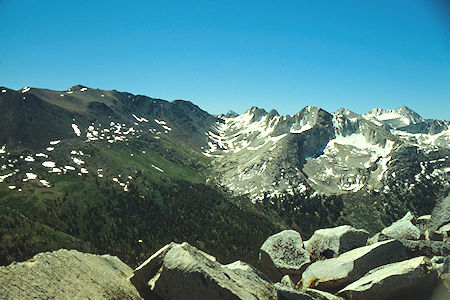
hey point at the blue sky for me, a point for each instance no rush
(225, 55)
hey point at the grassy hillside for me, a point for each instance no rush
(144, 199)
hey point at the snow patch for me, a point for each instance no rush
(3, 177)
(45, 183)
(49, 164)
(31, 176)
(302, 129)
(160, 122)
(159, 169)
(76, 129)
(140, 119)
(77, 161)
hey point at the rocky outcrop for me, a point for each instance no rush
(335, 273)
(426, 248)
(422, 222)
(285, 293)
(442, 266)
(402, 229)
(65, 274)
(444, 231)
(180, 271)
(283, 254)
(287, 290)
(441, 214)
(410, 279)
(321, 295)
(330, 242)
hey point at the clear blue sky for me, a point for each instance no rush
(235, 54)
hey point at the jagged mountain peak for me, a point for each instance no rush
(410, 125)
(346, 112)
(231, 113)
(397, 117)
(312, 150)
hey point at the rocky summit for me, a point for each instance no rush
(104, 171)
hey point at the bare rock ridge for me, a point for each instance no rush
(257, 153)
(382, 270)
(267, 155)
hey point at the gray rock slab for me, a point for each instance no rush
(67, 274)
(285, 293)
(180, 271)
(283, 254)
(330, 242)
(321, 295)
(402, 229)
(426, 248)
(440, 214)
(333, 274)
(410, 279)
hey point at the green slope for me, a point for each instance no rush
(96, 214)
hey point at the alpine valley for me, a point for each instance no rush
(111, 172)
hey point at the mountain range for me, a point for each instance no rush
(109, 171)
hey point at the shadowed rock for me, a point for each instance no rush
(426, 248)
(321, 295)
(441, 214)
(330, 242)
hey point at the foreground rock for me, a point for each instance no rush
(402, 229)
(180, 271)
(330, 242)
(426, 248)
(410, 279)
(321, 295)
(441, 214)
(67, 274)
(333, 274)
(285, 293)
(287, 290)
(283, 254)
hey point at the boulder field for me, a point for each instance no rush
(400, 262)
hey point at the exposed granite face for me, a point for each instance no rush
(330, 242)
(409, 279)
(67, 274)
(283, 254)
(333, 274)
(180, 271)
